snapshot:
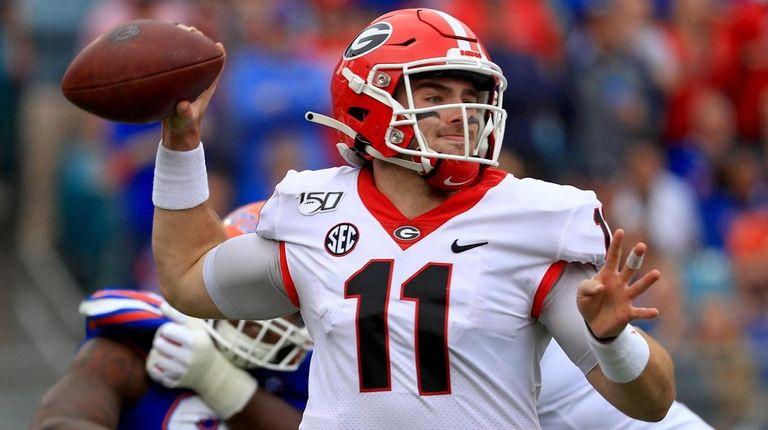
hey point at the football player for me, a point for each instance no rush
(430, 281)
(145, 365)
(566, 400)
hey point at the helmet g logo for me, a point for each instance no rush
(368, 40)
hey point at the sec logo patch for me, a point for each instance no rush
(341, 239)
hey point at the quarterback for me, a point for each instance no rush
(430, 282)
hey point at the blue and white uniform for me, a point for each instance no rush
(131, 318)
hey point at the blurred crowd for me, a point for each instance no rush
(661, 106)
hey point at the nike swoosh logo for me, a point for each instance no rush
(450, 183)
(456, 248)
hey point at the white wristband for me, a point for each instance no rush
(624, 358)
(226, 388)
(181, 180)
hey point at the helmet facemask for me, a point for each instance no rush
(479, 121)
(275, 344)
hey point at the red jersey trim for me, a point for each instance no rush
(172, 409)
(124, 317)
(288, 284)
(128, 294)
(550, 278)
(391, 218)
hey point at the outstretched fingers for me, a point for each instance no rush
(643, 313)
(641, 285)
(633, 263)
(613, 255)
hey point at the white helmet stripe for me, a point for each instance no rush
(104, 306)
(458, 29)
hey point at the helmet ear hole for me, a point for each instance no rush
(357, 113)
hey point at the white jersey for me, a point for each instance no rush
(429, 322)
(569, 402)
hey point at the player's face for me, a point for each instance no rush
(269, 338)
(253, 329)
(444, 128)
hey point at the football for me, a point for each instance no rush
(139, 71)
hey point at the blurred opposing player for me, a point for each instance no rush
(144, 365)
(430, 282)
(114, 380)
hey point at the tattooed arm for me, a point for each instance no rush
(103, 377)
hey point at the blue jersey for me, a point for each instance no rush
(289, 386)
(131, 318)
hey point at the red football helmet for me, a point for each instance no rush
(386, 56)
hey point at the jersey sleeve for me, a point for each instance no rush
(581, 236)
(126, 316)
(562, 318)
(270, 215)
(585, 236)
(245, 280)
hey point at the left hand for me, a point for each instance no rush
(605, 301)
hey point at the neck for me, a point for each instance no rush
(406, 189)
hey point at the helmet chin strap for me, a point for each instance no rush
(451, 175)
(448, 174)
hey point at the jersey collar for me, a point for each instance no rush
(392, 220)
